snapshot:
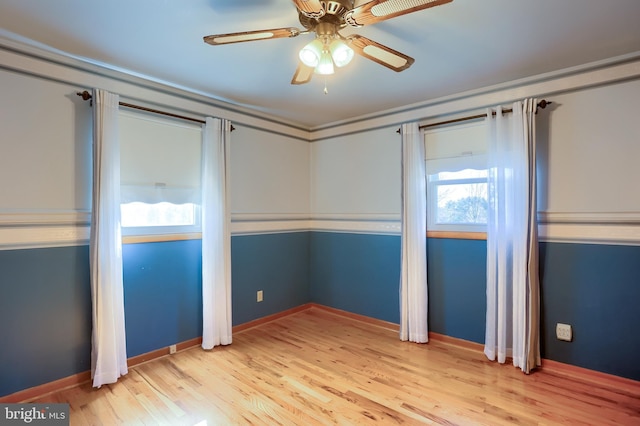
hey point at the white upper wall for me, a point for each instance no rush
(588, 151)
(587, 154)
(589, 148)
(45, 146)
(269, 174)
(357, 174)
(45, 143)
(45, 165)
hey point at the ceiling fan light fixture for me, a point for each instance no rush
(325, 66)
(330, 49)
(311, 53)
(341, 53)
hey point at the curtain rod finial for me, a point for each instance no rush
(85, 95)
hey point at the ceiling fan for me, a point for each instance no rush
(329, 48)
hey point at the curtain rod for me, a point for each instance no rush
(542, 104)
(86, 96)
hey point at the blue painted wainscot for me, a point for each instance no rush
(277, 264)
(162, 294)
(45, 316)
(596, 289)
(45, 298)
(359, 273)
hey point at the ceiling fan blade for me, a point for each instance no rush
(379, 53)
(218, 39)
(310, 8)
(303, 74)
(380, 10)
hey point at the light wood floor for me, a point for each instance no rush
(315, 367)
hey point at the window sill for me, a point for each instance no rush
(457, 235)
(137, 239)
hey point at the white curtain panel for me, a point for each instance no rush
(413, 281)
(108, 345)
(512, 323)
(216, 234)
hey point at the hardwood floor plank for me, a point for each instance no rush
(315, 367)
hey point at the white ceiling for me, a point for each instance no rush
(460, 46)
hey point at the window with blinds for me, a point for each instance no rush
(456, 167)
(160, 173)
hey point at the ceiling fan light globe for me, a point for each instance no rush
(341, 53)
(325, 66)
(311, 53)
(308, 58)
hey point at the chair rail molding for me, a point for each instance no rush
(40, 229)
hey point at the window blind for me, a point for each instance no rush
(456, 148)
(160, 159)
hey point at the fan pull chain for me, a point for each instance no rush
(326, 91)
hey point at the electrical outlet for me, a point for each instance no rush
(172, 349)
(259, 296)
(563, 332)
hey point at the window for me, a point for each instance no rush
(460, 198)
(160, 161)
(138, 214)
(457, 178)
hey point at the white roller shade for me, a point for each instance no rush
(160, 159)
(455, 148)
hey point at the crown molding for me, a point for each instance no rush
(36, 59)
(61, 66)
(612, 70)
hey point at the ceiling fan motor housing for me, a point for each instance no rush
(337, 7)
(334, 11)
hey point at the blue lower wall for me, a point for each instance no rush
(456, 276)
(45, 298)
(162, 294)
(277, 264)
(596, 289)
(358, 273)
(163, 285)
(45, 316)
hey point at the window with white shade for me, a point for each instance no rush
(456, 167)
(160, 162)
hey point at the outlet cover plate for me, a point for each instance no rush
(564, 332)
